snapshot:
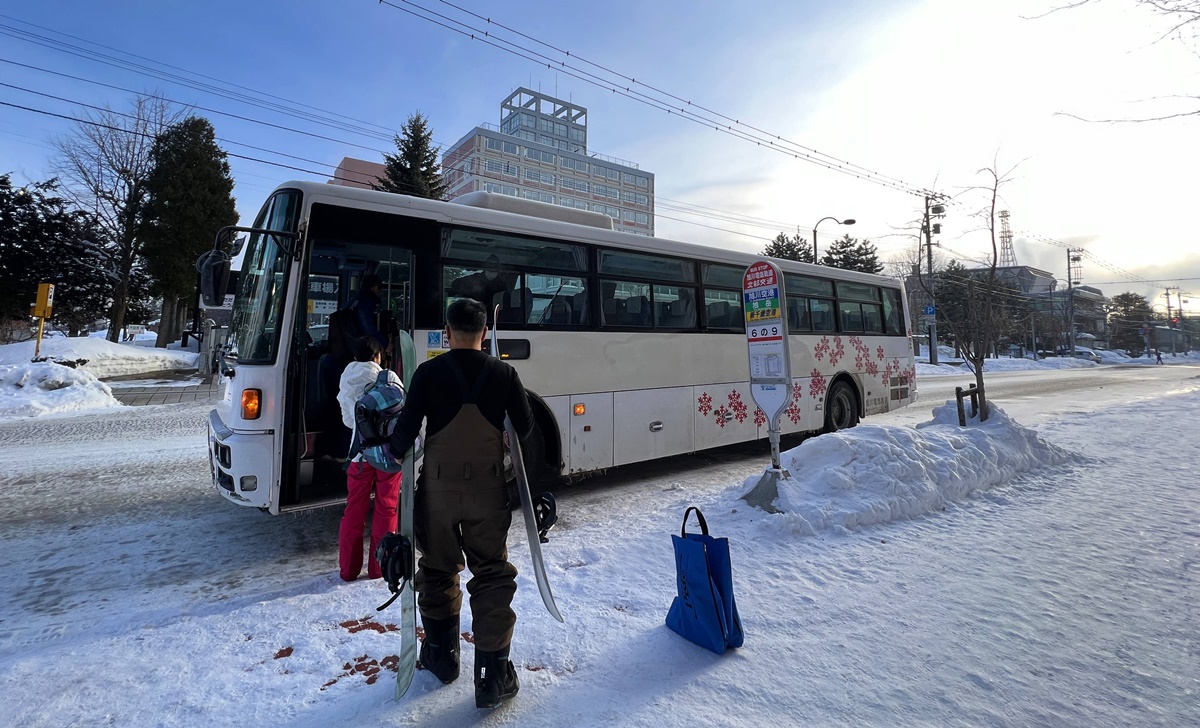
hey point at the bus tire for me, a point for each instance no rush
(841, 407)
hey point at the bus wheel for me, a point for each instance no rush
(841, 407)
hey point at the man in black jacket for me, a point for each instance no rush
(461, 505)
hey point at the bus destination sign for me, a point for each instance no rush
(766, 339)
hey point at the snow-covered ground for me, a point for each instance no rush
(29, 389)
(46, 388)
(104, 358)
(1012, 577)
(1007, 364)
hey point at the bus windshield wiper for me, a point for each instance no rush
(546, 310)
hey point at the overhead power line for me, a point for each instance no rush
(686, 110)
(205, 109)
(323, 117)
(89, 122)
(364, 178)
(219, 112)
(141, 69)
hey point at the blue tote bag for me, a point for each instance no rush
(704, 610)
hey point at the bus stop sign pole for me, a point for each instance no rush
(770, 365)
(42, 310)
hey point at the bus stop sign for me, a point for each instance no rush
(767, 340)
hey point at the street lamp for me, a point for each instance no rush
(847, 221)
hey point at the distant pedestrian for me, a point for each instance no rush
(461, 505)
(361, 477)
(1158, 354)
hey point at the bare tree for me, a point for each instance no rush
(908, 265)
(1182, 24)
(980, 314)
(104, 165)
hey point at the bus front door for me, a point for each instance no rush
(317, 440)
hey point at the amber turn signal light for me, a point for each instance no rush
(580, 409)
(251, 404)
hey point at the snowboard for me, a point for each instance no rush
(532, 530)
(406, 666)
(404, 548)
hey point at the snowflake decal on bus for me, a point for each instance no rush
(892, 370)
(793, 409)
(705, 402)
(839, 351)
(760, 417)
(879, 353)
(862, 352)
(719, 413)
(821, 349)
(738, 407)
(817, 385)
(872, 369)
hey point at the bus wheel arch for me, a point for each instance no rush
(545, 447)
(843, 404)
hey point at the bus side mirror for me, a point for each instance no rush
(214, 277)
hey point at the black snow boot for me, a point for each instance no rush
(495, 678)
(439, 651)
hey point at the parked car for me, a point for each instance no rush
(1087, 355)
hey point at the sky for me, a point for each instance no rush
(928, 92)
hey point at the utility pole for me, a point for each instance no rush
(1170, 328)
(927, 229)
(1182, 320)
(1033, 335)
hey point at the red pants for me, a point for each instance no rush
(361, 480)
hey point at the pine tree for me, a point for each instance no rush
(1128, 313)
(868, 258)
(42, 240)
(190, 198)
(789, 248)
(414, 169)
(848, 253)
(840, 253)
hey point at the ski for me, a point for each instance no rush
(533, 532)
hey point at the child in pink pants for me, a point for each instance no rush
(361, 478)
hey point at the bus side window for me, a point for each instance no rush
(637, 311)
(579, 308)
(822, 314)
(797, 312)
(558, 311)
(718, 315)
(892, 312)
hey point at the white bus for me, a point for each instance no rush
(631, 347)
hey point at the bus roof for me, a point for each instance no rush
(452, 212)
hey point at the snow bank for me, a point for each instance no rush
(875, 474)
(29, 390)
(1181, 358)
(1007, 365)
(104, 358)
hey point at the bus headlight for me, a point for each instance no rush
(251, 404)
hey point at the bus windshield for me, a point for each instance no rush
(258, 306)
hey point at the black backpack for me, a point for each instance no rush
(344, 330)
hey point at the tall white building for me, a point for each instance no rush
(539, 152)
